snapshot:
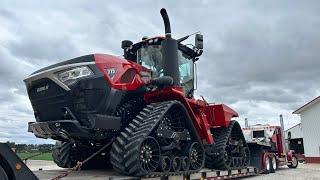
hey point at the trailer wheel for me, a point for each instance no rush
(294, 162)
(3, 174)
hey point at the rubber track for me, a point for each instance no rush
(66, 156)
(125, 149)
(221, 136)
(62, 155)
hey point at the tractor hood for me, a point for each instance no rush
(118, 72)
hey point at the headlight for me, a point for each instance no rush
(70, 76)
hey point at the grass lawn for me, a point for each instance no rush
(45, 156)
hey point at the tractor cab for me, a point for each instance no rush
(148, 53)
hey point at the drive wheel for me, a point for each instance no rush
(267, 165)
(149, 158)
(274, 164)
(196, 156)
(3, 174)
(294, 163)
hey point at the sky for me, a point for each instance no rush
(260, 57)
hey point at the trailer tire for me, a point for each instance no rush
(3, 174)
(294, 162)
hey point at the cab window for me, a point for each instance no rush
(186, 73)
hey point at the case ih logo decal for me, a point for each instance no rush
(43, 88)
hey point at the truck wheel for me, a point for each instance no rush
(267, 165)
(272, 168)
(3, 174)
(274, 164)
(294, 162)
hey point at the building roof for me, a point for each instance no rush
(293, 127)
(304, 107)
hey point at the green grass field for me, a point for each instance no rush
(45, 156)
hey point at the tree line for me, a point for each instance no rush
(21, 148)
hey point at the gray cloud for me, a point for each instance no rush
(261, 58)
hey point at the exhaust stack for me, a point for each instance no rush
(246, 124)
(284, 147)
(170, 51)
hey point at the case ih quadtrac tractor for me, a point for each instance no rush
(142, 103)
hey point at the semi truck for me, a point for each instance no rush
(268, 149)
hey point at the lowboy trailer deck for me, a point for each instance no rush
(203, 174)
(13, 168)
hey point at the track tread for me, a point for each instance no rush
(125, 150)
(221, 136)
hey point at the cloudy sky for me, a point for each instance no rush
(261, 57)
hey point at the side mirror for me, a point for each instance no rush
(126, 43)
(199, 41)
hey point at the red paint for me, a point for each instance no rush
(220, 114)
(313, 159)
(104, 61)
(204, 116)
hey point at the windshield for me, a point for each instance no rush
(186, 73)
(151, 57)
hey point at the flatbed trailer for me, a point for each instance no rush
(105, 174)
(209, 174)
(13, 168)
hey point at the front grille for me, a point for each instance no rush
(90, 96)
(49, 100)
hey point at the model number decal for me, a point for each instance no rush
(43, 88)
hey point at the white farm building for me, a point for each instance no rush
(310, 125)
(294, 137)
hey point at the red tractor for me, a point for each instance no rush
(142, 103)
